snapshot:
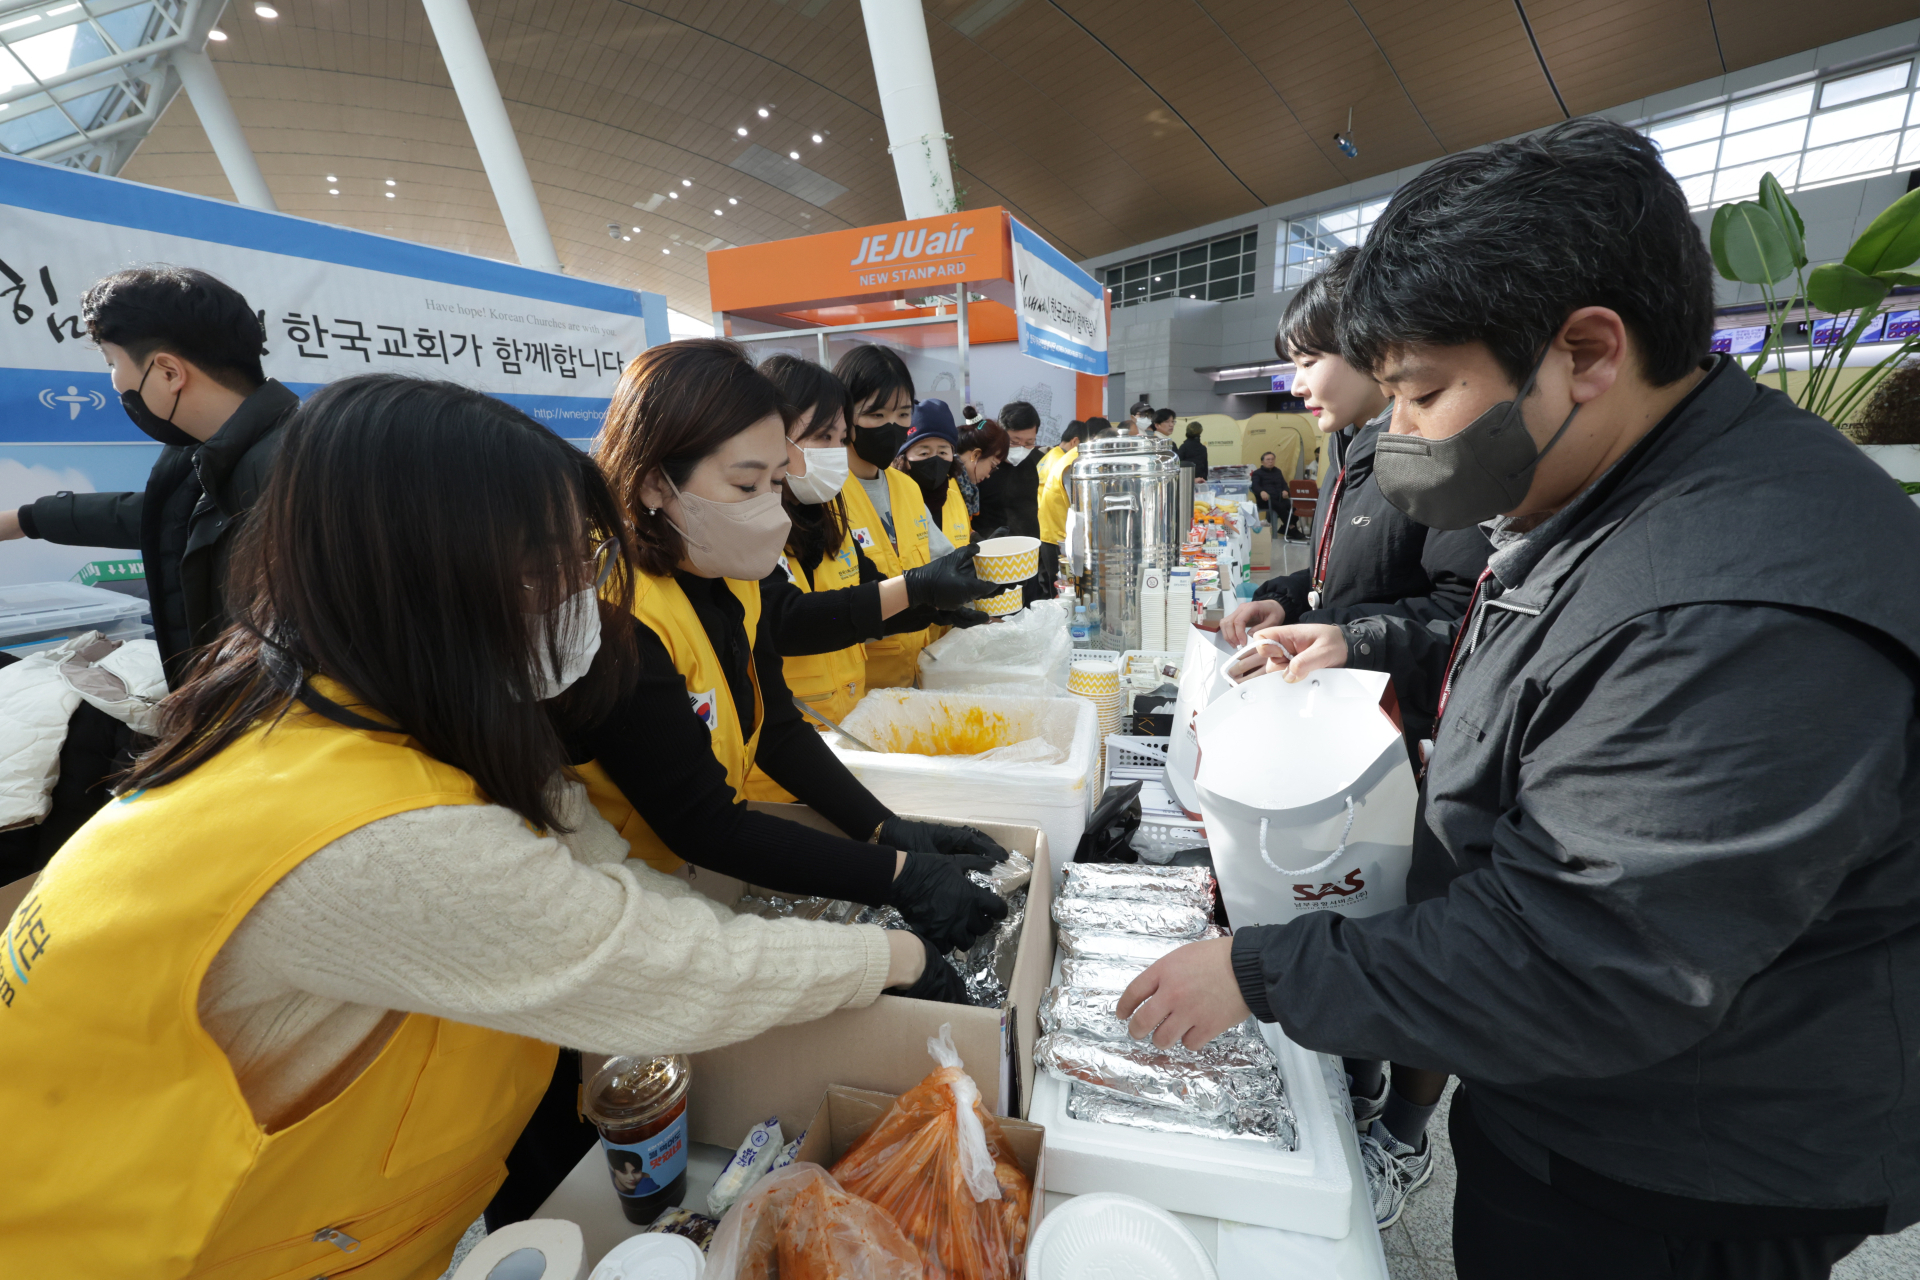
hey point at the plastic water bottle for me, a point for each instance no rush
(1082, 628)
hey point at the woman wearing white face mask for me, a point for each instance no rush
(327, 939)
(826, 595)
(695, 447)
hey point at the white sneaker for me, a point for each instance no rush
(1367, 1110)
(1394, 1171)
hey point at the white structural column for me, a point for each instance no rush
(910, 101)
(209, 97)
(466, 59)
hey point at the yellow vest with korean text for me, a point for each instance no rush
(830, 683)
(954, 520)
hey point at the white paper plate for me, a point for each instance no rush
(1114, 1237)
(656, 1255)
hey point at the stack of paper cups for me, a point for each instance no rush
(1179, 613)
(1153, 609)
(1098, 682)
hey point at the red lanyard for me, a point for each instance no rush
(1325, 549)
(1466, 622)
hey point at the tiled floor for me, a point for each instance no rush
(1420, 1245)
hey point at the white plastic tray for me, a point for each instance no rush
(31, 612)
(1309, 1189)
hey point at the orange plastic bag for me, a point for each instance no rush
(940, 1164)
(798, 1224)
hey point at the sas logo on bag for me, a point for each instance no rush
(1334, 893)
(705, 707)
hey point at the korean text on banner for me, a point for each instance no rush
(334, 302)
(1063, 311)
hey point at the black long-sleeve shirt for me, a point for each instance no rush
(659, 753)
(800, 623)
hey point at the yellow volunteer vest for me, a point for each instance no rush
(664, 608)
(1053, 499)
(131, 1152)
(830, 683)
(892, 661)
(954, 520)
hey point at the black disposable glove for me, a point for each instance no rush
(938, 837)
(941, 904)
(962, 618)
(939, 981)
(949, 582)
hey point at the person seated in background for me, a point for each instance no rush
(982, 450)
(1193, 453)
(327, 940)
(1267, 485)
(1665, 894)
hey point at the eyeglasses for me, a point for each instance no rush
(601, 560)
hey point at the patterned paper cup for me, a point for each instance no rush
(1000, 606)
(1008, 559)
(1092, 678)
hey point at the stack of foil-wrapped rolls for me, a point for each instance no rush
(1115, 920)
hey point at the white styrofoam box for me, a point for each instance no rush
(1309, 1189)
(1057, 798)
(1308, 797)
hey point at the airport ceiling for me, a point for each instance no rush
(1100, 123)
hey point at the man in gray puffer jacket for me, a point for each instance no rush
(1666, 897)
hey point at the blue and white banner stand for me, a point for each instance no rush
(335, 302)
(1062, 309)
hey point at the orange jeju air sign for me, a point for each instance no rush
(897, 258)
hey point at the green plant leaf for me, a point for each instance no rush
(1749, 246)
(1836, 287)
(1898, 277)
(1891, 241)
(1773, 198)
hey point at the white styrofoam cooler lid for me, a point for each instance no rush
(33, 608)
(1271, 745)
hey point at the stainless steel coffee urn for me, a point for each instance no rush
(1124, 516)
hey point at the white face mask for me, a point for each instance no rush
(826, 475)
(1017, 454)
(575, 625)
(1143, 422)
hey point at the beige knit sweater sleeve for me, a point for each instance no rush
(464, 912)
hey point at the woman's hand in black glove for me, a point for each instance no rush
(936, 898)
(949, 582)
(938, 981)
(938, 837)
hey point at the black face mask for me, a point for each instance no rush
(879, 446)
(161, 429)
(931, 475)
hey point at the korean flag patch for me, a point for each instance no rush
(705, 707)
(863, 539)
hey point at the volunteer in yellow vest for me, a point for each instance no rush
(1053, 495)
(825, 596)
(927, 456)
(281, 1009)
(886, 511)
(695, 449)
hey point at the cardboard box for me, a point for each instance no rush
(784, 1071)
(844, 1116)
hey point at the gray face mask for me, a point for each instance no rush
(1471, 476)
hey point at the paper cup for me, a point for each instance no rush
(1000, 606)
(1013, 559)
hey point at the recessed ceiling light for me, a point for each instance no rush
(731, 200)
(216, 35)
(686, 182)
(636, 231)
(390, 182)
(793, 155)
(816, 137)
(626, 237)
(718, 214)
(742, 131)
(332, 178)
(333, 191)
(266, 11)
(666, 251)
(763, 113)
(390, 195)
(673, 195)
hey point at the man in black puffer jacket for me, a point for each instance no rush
(184, 349)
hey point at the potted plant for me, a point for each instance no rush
(1762, 242)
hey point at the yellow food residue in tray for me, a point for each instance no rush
(963, 732)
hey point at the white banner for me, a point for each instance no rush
(1063, 310)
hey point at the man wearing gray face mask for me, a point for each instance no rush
(1667, 872)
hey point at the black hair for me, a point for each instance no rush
(1163, 415)
(1500, 245)
(393, 548)
(1098, 427)
(1311, 324)
(989, 440)
(871, 374)
(1075, 430)
(818, 528)
(184, 312)
(1018, 415)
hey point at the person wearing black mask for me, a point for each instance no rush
(1666, 876)
(184, 350)
(927, 456)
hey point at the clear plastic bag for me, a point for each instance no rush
(939, 1163)
(797, 1223)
